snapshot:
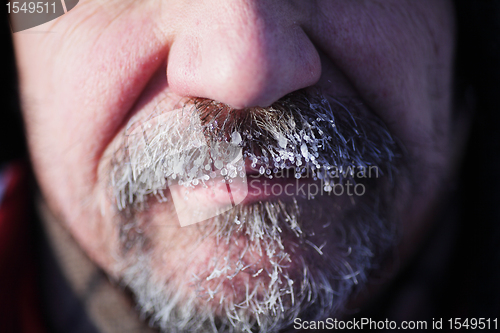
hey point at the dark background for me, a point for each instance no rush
(478, 65)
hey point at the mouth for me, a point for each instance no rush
(236, 184)
(213, 159)
(248, 183)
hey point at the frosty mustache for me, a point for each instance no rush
(205, 144)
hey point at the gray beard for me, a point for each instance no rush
(304, 258)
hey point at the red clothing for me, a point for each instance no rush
(20, 310)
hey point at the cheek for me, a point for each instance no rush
(395, 54)
(398, 56)
(78, 85)
(78, 92)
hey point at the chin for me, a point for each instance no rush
(282, 261)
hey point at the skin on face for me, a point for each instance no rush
(106, 61)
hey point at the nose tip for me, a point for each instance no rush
(243, 64)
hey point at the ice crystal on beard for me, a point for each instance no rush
(304, 132)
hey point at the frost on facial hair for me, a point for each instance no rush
(317, 290)
(309, 135)
(169, 149)
(306, 134)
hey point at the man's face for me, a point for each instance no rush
(127, 104)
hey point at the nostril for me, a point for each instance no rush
(253, 65)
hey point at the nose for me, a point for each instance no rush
(241, 53)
